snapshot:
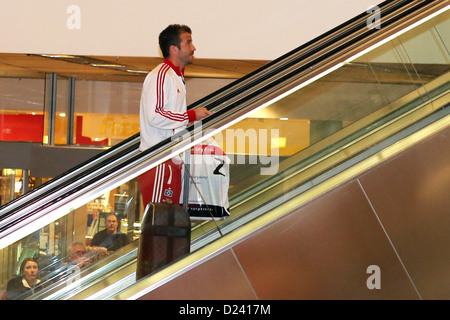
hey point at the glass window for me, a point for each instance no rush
(21, 109)
(106, 112)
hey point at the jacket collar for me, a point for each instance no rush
(25, 283)
(178, 71)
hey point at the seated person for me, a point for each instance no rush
(77, 259)
(77, 255)
(25, 285)
(110, 238)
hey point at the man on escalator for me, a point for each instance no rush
(163, 112)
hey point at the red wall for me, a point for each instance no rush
(21, 127)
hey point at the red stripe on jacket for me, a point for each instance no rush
(160, 97)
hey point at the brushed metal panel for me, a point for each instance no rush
(411, 195)
(219, 278)
(322, 251)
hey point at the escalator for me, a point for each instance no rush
(291, 129)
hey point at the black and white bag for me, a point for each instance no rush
(209, 180)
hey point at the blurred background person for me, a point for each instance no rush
(109, 238)
(78, 255)
(26, 284)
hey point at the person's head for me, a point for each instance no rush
(76, 251)
(29, 270)
(111, 223)
(77, 254)
(176, 44)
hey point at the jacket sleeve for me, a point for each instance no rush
(158, 97)
(15, 289)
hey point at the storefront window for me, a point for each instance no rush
(106, 112)
(21, 109)
(16, 182)
(62, 111)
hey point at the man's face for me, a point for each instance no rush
(78, 251)
(187, 49)
(111, 224)
(78, 255)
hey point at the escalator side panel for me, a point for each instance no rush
(379, 228)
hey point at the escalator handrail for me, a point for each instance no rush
(123, 148)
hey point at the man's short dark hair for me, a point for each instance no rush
(170, 36)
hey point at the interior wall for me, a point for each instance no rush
(235, 29)
(41, 160)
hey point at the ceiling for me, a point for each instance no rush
(109, 68)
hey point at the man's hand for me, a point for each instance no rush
(201, 113)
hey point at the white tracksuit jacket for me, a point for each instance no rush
(163, 109)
